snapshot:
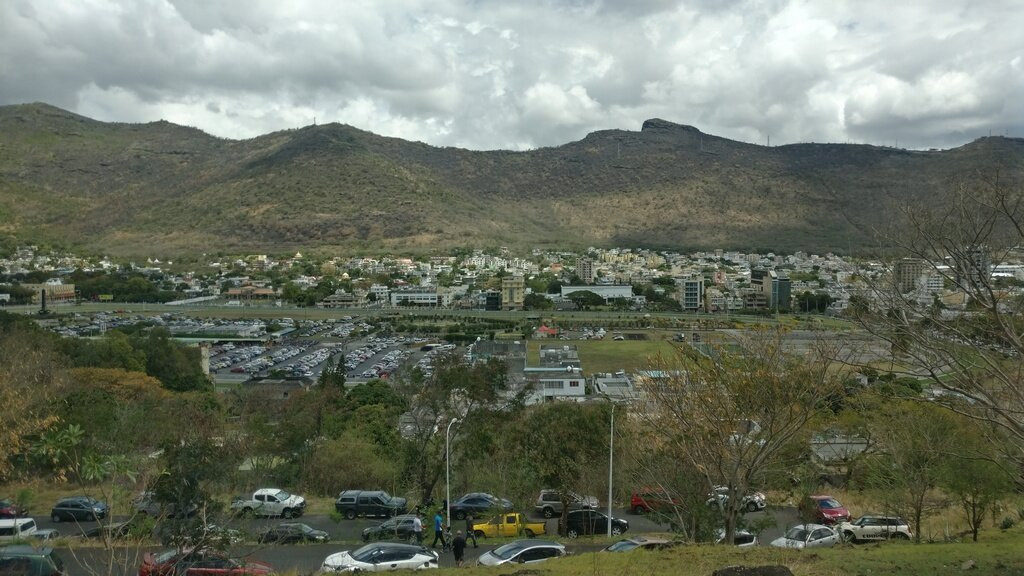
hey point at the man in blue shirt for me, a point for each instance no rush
(438, 530)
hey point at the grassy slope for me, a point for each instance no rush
(997, 554)
(608, 355)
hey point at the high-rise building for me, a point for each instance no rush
(691, 293)
(513, 292)
(907, 273)
(973, 267)
(585, 270)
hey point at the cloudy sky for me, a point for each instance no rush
(486, 74)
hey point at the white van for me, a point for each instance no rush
(19, 529)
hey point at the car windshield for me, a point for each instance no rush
(306, 528)
(282, 495)
(829, 503)
(389, 523)
(385, 496)
(508, 550)
(365, 553)
(622, 546)
(798, 533)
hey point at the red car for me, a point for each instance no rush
(8, 509)
(199, 563)
(651, 500)
(824, 510)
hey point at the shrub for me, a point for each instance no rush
(1007, 523)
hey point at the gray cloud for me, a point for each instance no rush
(487, 74)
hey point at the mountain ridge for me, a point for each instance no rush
(136, 189)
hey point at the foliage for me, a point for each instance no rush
(30, 374)
(734, 415)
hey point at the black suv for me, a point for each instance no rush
(352, 503)
(590, 522)
(29, 561)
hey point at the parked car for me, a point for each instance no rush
(522, 552)
(382, 557)
(549, 502)
(79, 509)
(508, 524)
(18, 560)
(197, 535)
(642, 543)
(652, 500)
(400, 527)
(807, 536)
(590, 522)
(479, 504)
(292, 533)
(21, 529)
(114, 531)
(10, 509)
(352, 503)
(719, 496)
(823, 509)
(741, 538)
(202, 562)
(269, 502)
(875, 528)
(146, 503)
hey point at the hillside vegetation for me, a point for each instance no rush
(140, 189)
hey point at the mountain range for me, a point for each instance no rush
(162, 189)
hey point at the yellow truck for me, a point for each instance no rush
(510, 524)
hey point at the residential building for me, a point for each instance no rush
(586, 270)
(691, 293)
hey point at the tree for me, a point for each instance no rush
(734, 414)
(30, 374)
(975, 475)
(455, 390)
(917, 438)
(975, 354)
(585, 299)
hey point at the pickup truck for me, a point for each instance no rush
(269, 502)
(510, 524)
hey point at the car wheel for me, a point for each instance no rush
(55, 518)
(287, 514)
(638, 510)
(549, 512)
(616, 531)
(480, 534)
(460, 515)
(899, 536)
(849, 536)
(572, 533)
(529, 533)
(350, 514)
(751, 506)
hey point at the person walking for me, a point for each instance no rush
(459, 547)
(439, 530)
(417, 528)
(470, 532)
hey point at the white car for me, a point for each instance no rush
(522, 552)
(807, 536)
(381, 557)
(875, 528)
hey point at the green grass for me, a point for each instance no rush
(998, 553)
(609, 355)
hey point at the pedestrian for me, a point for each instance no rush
(417, 528)
(459, 547)
(438, 530)
(470, 531)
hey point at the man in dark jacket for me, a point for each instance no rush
(459, 547)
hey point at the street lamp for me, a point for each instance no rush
(611, 453)
(447, 473)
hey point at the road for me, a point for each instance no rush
(305, 559)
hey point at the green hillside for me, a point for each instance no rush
(159, 188)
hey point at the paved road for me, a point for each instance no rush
(304, 559)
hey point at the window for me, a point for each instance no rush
(574, 383)
(820, 534)
(510, 519)
(7, 531)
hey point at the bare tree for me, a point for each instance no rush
(734, 413)
(971, 353)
